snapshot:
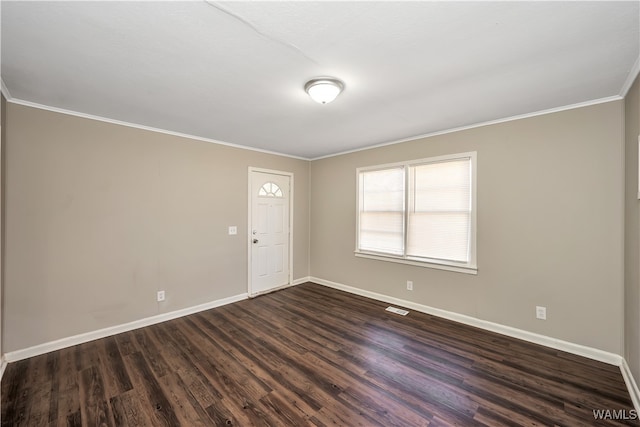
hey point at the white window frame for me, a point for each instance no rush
(460, 267)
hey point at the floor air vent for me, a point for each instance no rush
(395, 310)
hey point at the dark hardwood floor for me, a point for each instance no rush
(310, 355)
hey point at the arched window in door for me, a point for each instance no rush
(270, 189)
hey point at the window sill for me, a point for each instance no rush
(425, 264)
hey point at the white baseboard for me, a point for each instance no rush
(580, 350)
(3, 366)
(37, 350)
(569, 347)
(301, 281)
(279, 288)
(632, 386)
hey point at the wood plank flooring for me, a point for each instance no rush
(310, 355)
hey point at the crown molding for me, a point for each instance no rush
(634, 72)
(5, 90)
(143, 127)
(480, 124)
(631, 77)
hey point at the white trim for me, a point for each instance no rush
(478, 125)
(39, 349)
(5, 90)
(577, 349)
(631, 77)
(301, 280)
(632, 386)
(249, 219)
(425, 264)
(635, 70)
(469, 267)
(148, 128)
(3, 366)
(279, 288)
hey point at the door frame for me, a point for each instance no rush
(249, 224)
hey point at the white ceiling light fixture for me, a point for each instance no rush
(323, 90)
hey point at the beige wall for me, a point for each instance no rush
(100, 216)
(632, 231)
(3, 127)
(550, 232)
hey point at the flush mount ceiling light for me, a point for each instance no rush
(324, 89)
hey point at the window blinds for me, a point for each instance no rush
(436, 206)
(439, 211)
(382, 211)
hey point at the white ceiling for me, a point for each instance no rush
(234, 71)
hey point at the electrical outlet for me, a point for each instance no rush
(541, 313)
(409, 285)
(160, 296)
(233, 230)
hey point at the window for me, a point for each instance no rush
(420, 212)
(270, 189)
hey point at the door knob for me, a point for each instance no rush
(255, 240)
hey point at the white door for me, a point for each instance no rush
(269, 231)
